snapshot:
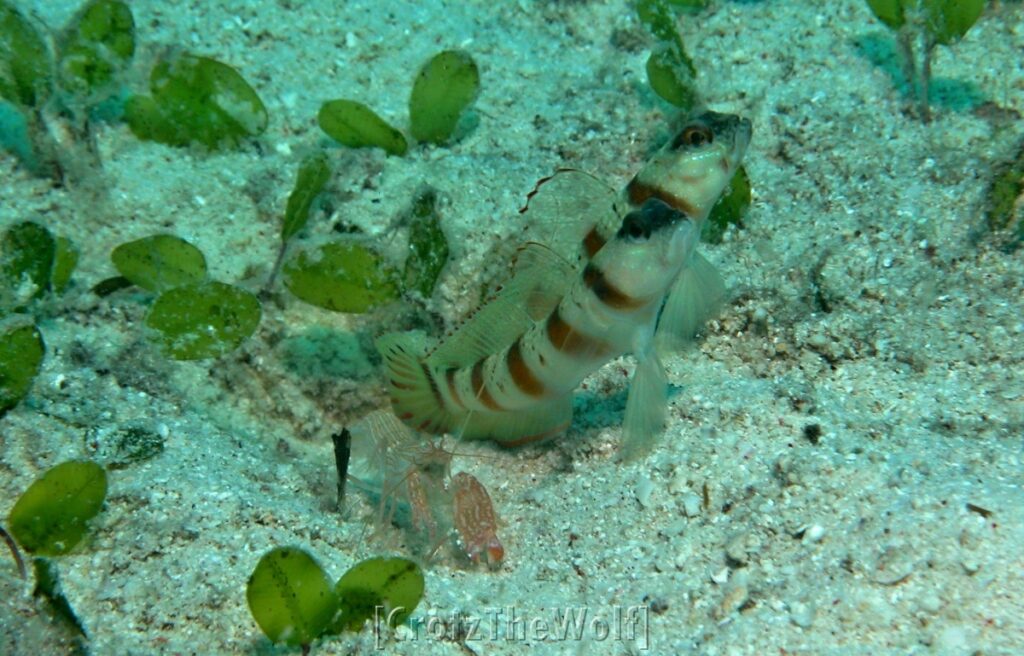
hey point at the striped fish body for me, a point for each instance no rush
(508, 373)
(612, 304)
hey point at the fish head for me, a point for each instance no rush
(690, 172)
(649, 249)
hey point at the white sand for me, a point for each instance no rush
(862, 543)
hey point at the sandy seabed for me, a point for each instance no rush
(832, 439)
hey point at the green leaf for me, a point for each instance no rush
(21, 355)
(428, 248)
(444, 88)
(65, 260)
(395, 584)
(661, 23)
(355, 125)
(27, 254)
(290, 596)
(204, 320)
(729, 209)
(342, 277)
(891, 12)
(96, 47)
(670, 77)
(196, 100)
(314, 172)
(50, 518)
(26, 65)
(947, 21)
(160, 262)
(110, 285)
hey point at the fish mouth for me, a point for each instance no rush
(730, 128)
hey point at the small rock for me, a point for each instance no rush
(733, 599)
(814, 534)
(678, 483)
(930, 603)
(802, 614)
(691, 505)
(736, 550)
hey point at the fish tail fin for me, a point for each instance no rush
(695, 297)
(645, 408)
(413, 392)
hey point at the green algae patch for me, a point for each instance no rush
(314, 172)
(52, 515)
(1004, 210)
(117, 447)
(26, 64)
(355, 125)
(21, 354)
(96, 48)
(160, 262)
(341, 277)
(196, 100)
(27, 255)
(428, 247)
(390, 588)
(290, 596)
(729, 209)
(321, 353)
(203, 320)
(443, 89)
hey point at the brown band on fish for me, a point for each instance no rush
(453, 390)
(606, 292)
(566, 339)
(639, 192)
(480, 386)
(525, 380)
(592, 242)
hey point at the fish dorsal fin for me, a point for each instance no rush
(544, 277)
(540, 277)
(563, 208)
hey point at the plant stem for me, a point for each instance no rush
(14, 551)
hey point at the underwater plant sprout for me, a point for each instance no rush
(928, 23)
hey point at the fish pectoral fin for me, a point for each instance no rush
(519, 427)
(645, 408)
(695, 297)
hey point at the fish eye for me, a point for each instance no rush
(694, 136)
(636, 228)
